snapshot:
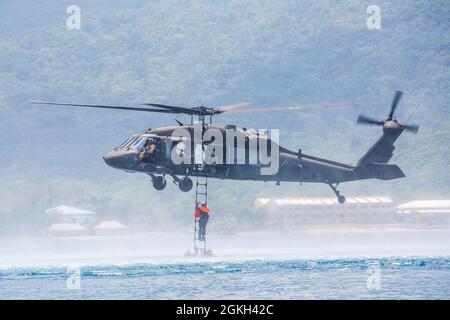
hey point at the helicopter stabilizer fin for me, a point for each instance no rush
(383, 171)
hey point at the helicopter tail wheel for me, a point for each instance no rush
(159, 182)
(340, 198)
(185, 184)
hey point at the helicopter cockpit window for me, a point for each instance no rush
(129, 143)
(151, 151)
(125, 142)
(139, 144)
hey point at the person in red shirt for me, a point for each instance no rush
(202, 214)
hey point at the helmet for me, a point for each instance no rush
(204, 203)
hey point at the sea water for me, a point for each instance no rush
(346, 278)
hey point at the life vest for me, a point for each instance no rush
(199, 211)
(204, 209)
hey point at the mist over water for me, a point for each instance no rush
(171, 247)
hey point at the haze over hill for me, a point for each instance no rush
(213, 52)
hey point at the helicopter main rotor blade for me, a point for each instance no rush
(398, 95)
(102, 106)
(172, 108)
(367, 120)
(229, 107)
(289, 108)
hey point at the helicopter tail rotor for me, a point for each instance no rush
(374, 162)
(390, 122)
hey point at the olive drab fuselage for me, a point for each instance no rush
(293, 166)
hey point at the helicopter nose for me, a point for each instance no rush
(110, 158)
(121, 160)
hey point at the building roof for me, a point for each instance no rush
(110, 225)
(426, 204)
(67, 227)
(280, 202)
(67, 210)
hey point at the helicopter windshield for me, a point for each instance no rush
(134, 142)
(139, 144)
(129, 143)
(126, 142)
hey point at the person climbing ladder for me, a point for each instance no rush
(202, 214)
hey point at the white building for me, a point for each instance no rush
(68, 229)
(71, 221)
(110, 227)
(425, 213)
(72, 215)
(372, 212)
(324, 212)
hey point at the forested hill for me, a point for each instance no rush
(271, 53)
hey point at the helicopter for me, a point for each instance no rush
(155, 151)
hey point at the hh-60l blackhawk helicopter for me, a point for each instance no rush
(152, 152)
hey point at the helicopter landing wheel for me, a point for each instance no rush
(185, 184)
(159, 182)
(340, 198)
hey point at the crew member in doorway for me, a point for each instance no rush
(202, 214)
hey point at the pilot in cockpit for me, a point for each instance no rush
(148, 153)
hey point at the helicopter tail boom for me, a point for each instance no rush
(374, 163)
(382, 150)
